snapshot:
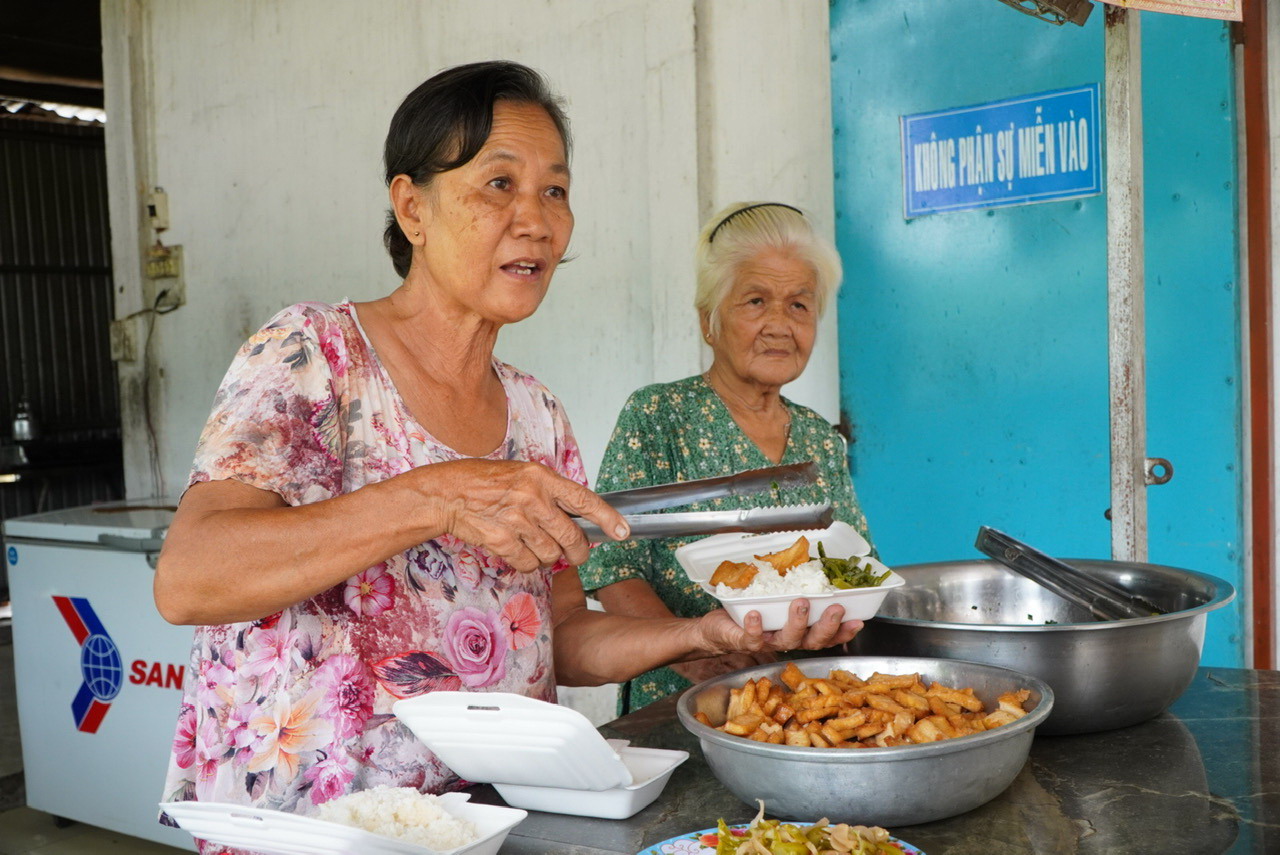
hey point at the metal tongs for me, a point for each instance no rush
(633, 504)
(1103, 600)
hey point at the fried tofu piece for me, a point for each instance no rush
(918, 703)
(735, 707)
(770, 728)
(940, 707)
(814, 712)
(884, 703)
(1012, 702)
(743, 725)
(855, 698)
(834, 735)
(804, 693)
(795, 554)
(795, 735)
(998, 718)
(962, 699)
(783, 713)
(943, 726)
(792, 676)
(869, 730)
(767, 731)
(892, 681)
(823, 687)
(735, 574)
(846, 679)
(851, 721)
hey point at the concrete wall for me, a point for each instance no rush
(263, 122)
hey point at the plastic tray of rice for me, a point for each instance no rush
(380, 821)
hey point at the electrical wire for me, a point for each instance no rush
(153, 440)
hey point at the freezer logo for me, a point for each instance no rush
(100, 663)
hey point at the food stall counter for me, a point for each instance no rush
(1203, 777)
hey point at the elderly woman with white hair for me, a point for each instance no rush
(764, 278)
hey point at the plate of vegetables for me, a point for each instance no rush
(774, 837)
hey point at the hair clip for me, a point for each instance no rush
(720, 225)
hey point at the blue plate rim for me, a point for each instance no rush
(911, 849)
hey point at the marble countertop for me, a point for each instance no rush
(1203, 777)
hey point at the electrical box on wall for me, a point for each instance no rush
(158, 209)
(164, 285)
(123, 347)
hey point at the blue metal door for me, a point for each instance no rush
(973, 346)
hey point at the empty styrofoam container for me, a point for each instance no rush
(538, 755)
(841, 540)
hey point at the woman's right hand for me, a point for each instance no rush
(517, 511)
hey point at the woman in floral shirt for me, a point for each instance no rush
(380, 508)
(764, 277)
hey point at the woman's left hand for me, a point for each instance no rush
(721, 632)
(697, 670)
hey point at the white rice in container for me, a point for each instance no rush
(806, 578)
(402, 813)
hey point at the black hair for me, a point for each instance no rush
(445, 122)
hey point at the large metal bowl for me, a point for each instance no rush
(1104, 674)
(904, 785)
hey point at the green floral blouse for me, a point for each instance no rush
(682, 431)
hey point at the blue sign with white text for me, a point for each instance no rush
(1035, 148)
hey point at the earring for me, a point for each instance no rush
(415, 234)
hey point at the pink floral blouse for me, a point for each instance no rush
(294, 709)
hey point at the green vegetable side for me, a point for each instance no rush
(847, 573)
(783, 838)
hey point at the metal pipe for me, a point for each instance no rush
(1257, 229)
(1125, 281)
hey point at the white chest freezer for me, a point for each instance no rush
(99, 672)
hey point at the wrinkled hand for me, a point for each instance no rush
(704, 669)
(518, 511)
(722, 634)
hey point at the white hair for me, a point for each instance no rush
(740, 232)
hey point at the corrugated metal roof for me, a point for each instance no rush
(52, 111)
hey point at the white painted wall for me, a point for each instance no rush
(263, 121)
(764, 101)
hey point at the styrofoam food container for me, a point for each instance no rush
(538, 755)
(841, 540)
(650, 768)
(279, 833)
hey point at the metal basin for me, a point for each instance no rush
(904, 785)
(1104, 674)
